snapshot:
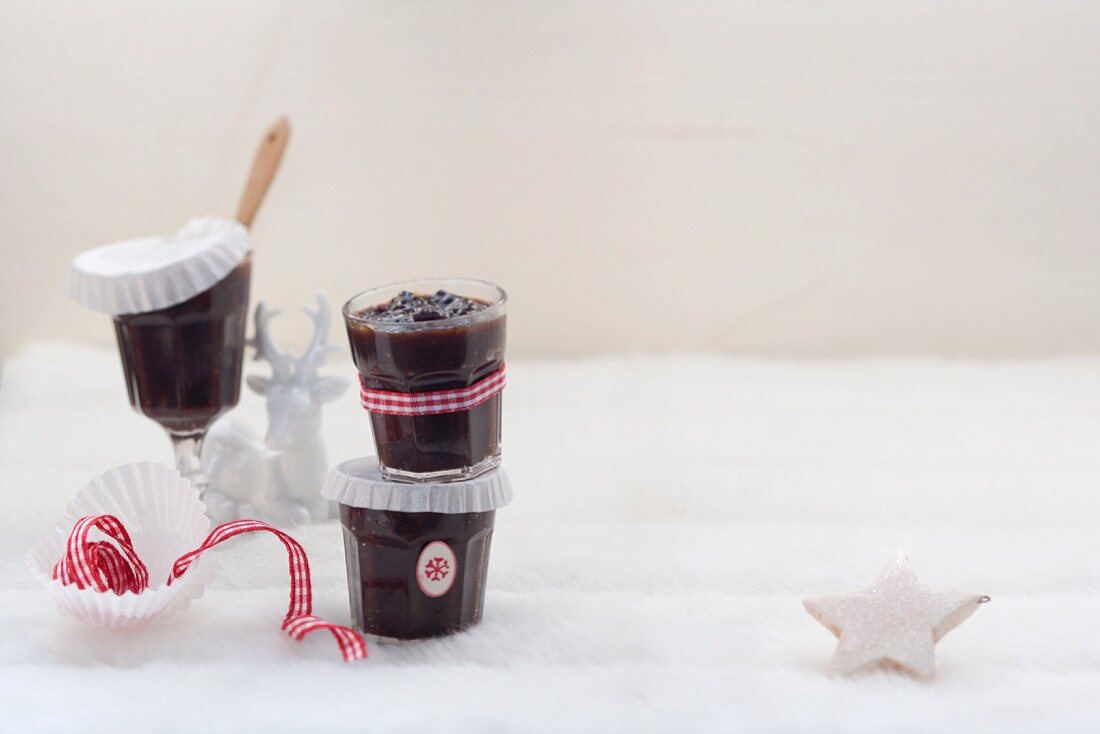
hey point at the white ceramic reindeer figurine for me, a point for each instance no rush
(276, 478)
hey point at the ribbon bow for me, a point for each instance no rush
(116, 567)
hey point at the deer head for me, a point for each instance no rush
(294, 392)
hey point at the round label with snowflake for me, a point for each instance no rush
(436, 568)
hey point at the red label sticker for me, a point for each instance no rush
(436, 568)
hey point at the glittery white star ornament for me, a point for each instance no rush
(894, 622)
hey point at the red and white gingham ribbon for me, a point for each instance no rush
(99, 564)
(390, 402)
(104, 567)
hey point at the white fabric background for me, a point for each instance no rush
(648, 576)
(783, 178)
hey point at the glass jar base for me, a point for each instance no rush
(446, 475)
(384, 640)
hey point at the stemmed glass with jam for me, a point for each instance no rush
(179, 305)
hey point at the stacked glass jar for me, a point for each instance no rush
(418, 519)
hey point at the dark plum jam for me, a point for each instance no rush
(183, 363)
(407, 345)
(415, 574)
(407, 308)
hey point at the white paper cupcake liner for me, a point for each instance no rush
(165, 519)
(359, 483)
(151, 273)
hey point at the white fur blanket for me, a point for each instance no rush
(670, 515)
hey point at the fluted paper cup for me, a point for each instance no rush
(152, 273)
(165, 519)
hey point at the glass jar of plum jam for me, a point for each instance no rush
(428, 336)
(417, 553)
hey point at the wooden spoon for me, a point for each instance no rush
(264, 166)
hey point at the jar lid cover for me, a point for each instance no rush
(151, 273)
(359, 483)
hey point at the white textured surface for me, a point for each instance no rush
(650, 573)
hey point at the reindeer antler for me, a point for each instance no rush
(266, 348)
(314, 355)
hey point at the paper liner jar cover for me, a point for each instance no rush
(152, 273)
(165, 518)
(359, 483)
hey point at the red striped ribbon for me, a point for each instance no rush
(390, 402)
(100, 564)
(105, 567)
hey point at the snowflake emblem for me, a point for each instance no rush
(437, 569)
